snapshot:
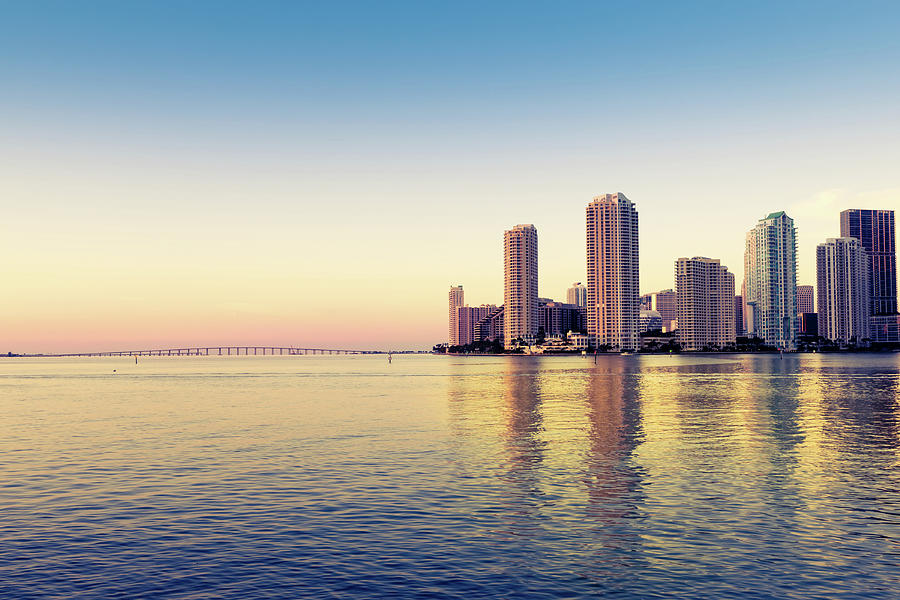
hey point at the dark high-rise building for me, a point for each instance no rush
(559, 319)
(738, 315)
(809, 323)
(875, 231)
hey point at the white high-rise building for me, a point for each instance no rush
(842, 274)
(521, 319)
(577, 295)
(457, 299)
(770, 281)
(705, 303)
(613, 296)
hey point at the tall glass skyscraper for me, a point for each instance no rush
(770, 281)
(875, 231)
(613, 296)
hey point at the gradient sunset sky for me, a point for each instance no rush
(318, 174)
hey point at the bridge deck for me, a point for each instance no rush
(222, 351)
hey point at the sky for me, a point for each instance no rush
(318, 174)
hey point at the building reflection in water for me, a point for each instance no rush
(562, 434)
(612, 475)
(651, 468)
(524, 445)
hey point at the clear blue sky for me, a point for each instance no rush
(225, 170)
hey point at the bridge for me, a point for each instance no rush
(220, 351)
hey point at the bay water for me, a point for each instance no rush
(719, 476)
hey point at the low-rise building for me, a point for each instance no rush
(650, 320)
(558, 318)
(467, 317)
(578, 341)
(490, 328)
(885, 329)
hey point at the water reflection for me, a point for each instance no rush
(637, 477)
(612, 476)
(613, 411)
(525, 449)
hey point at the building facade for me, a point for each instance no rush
(842, 275)
(490, 328)
(885, 329)
(520, 284)
(739, 316)
(645, 301)
(577, 295)
(613, 295)
(457, 299)
(665, 303)
(467, 317)
(705, 305)
(559, 319)
(805, 299)
(875, 231)
(809, 324)
(649, 320)
(770, 281)
(807, 317)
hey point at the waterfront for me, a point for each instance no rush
(645, 476)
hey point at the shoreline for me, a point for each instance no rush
(572, 354)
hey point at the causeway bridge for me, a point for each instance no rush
(222, 351)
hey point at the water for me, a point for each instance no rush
(347, 477)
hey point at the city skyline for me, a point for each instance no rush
(703, 310)
(252, 170)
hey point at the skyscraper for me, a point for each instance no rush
(770, 281)
(613, 296)
(577, 295)
(739, 316)
(705, 303)
(875, 231)
(520, 284)
(457, 299)
(805, 299)
(842, 275)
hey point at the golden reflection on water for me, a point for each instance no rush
(638, 448)
(712, 474)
